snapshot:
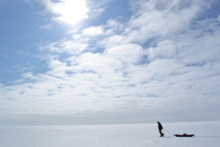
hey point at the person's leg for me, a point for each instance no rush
(161, 134)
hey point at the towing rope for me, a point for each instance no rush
(169, 132)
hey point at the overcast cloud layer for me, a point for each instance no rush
(160, 63)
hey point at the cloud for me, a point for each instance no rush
(218, 18)
(93, 31)
(3, 55)
(162, 60)
(65, 46)
(97, 7)
(21, 52)
(164, 49)
(111, 27)
(72, 12)
(69, 11)
(114, 40)
(47, 27)
(199, 48)
(19, 68)
(162, 19)
(128, 53)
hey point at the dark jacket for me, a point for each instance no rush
(160, 127)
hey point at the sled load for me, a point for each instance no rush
(184, 135)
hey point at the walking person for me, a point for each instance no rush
(160, 127)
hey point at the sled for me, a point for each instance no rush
(184, 135)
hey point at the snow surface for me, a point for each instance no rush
(126, 135)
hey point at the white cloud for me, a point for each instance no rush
(218, 18)
(47, 27)
(164, 49)
(113, 26)
(199, 50)
(128, 53)
(21, 68)
(114, 40)
(162, 19)
(165, 60)
(97, 7)
(66, 46)
(93, 31)
(69, 11)
(97, 63)
(21, 52)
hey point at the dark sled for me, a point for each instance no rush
(184, 135)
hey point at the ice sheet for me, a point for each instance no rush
(123, 135)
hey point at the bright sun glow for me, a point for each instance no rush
(70, 11)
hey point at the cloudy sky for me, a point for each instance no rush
(109, 61)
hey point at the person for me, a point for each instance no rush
(160, 127)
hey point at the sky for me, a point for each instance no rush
(109, 61)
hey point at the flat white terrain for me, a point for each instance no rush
(207, 134)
